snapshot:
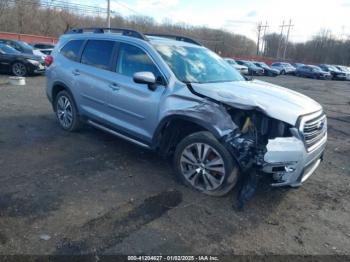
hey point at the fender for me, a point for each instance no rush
(207, 114)
(66, 87)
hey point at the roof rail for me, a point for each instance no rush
(177, 38)
(102, 30)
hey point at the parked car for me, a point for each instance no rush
(312, 72)
(344, 69)
(22, 47)
(296, 65)
(172, 95)
(252, 69)
(335, 72)
(19, 64)
(45, 48)
(284, 68)
(241, 68)
(268, 71)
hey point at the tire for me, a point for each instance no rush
(67, 112)
(19, 69)
(201, 176)
(283, 72)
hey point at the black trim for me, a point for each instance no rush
(177, 38)
(119, 130)
(189, 86)
(102, 30)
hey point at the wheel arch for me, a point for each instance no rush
(57, 87)
(172, 129)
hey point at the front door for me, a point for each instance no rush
(134, 107)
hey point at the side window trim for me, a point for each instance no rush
(115, 62)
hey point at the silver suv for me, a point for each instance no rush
(170, 94)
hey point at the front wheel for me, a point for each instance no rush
(204, 164)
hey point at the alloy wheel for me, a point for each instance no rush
(202, 166)
(64, 112)
(19, 69)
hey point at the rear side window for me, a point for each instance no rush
(98, 53)
(132, 59)
(72, 49)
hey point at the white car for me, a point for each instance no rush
(241, 68)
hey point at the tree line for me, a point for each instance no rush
(20, 17)
(29, 17)
(322, 48)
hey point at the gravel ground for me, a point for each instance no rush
(73, 193)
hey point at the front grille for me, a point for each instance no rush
(314, 130)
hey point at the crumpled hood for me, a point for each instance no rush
(275, 101)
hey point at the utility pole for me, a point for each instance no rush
(258, 44)
(109, 13)
(280, 41)
(264, 40)
(260, 28)
(285, 46)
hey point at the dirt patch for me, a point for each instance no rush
(14, 205)
(113, 227)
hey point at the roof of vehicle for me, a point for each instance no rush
(120, 33)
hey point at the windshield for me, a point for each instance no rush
(230, 61)
(25, 45)
(288, 65)
(197, 65)
(262, 64)
(315, 68)
(333, 68)
(5, 49)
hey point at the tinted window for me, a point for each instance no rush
(132, 59)
(44, 46)
(5, 49)
(98, 53)
(71, 49)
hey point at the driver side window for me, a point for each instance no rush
(132, 59)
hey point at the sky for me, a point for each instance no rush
(242, 16)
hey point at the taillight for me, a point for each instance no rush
(48, 60)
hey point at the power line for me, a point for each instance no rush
(63, 5)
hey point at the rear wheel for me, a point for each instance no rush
(66, 112)
(19, 69)
(204, 164)
(283, 72)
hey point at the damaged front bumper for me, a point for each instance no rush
(289, 161)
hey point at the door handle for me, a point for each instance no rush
(76, 72)
(114, 86)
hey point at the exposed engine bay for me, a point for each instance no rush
(263, 145)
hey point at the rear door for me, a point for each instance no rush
(95, 77)
(134, 107)
(5, 61)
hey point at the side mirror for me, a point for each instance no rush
(147, 78)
